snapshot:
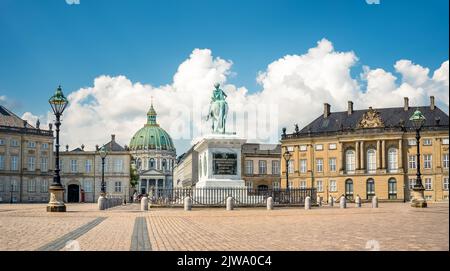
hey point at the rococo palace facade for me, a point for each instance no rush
(369, 152)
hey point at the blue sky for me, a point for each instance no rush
(44, 43)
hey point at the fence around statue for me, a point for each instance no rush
(243, 197)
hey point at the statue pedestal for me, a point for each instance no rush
(418, 199)
(219, 160)
(56, 203)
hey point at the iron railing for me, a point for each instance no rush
(243, 197)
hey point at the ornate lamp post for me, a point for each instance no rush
(418, 201)
(287, 156)
(102, 199)
(56, 204)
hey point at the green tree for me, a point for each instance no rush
(134, 177)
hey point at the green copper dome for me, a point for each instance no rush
(151, 136)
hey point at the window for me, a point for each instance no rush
(332, 164)
(302, 184)
(412, 161)
(371, 160)
(333, 186)
(412, 142)
(412, 182)
(276, 167)
(164, 164)
(291, 185)
(428, 197)
(74, 166)
(205, 166)
(332, 146)
(2, 162)
(427, 142)
(370, 188)
(14, 143)
(2, 141)
(2, 186)
(262, 167)
(319, 186)
(428, 184)
(61, 164)
(392, 160)
(44, 146)
(32, 186)
(276, 185)
(445, 141)
(14, 162)
(427, 161)
(303, 147)
(88, 186)
(44, 186)
(291, 166)
(319, 164)
(118, 187)
(151, 163)
(392, 189)
(445, 160)
(119, 165)
(319, 147)
(350, 160)
(88, 166)
(31, 163)
(290, 148)
(445, 184)
(44, 164)
(303, 166)
(249, 184)
(31, 144)
(249, 167)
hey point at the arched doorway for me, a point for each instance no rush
(73, 193)
(349, 189)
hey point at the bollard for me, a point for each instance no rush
(269, 203)
(144, 204)
(230, 203)
(375, 202)
(358, 202)
(330, 201)
(187, 203)
(101, 203)
(343, 202)
(307, 203)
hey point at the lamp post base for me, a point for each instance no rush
(418, 200)
(56, 203)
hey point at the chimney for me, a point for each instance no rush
(432, 104)
(113, 138)
(406, 104)
(326, 110)
(350, 108)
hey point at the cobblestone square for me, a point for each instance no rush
(393, 226)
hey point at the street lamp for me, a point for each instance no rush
(102, 199)
(103, 153)
(56, 204)
(287, 156)
(418, 201)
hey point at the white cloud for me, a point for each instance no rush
(293, 90)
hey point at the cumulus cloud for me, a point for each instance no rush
(293, 90)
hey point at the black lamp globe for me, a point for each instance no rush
(103, 153)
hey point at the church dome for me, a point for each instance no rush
(151, 136)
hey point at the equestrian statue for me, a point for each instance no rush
(218, 110)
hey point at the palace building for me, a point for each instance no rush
(26, 155)
(369, 152)
(153, 155)
(81, 172)
(261, 164)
